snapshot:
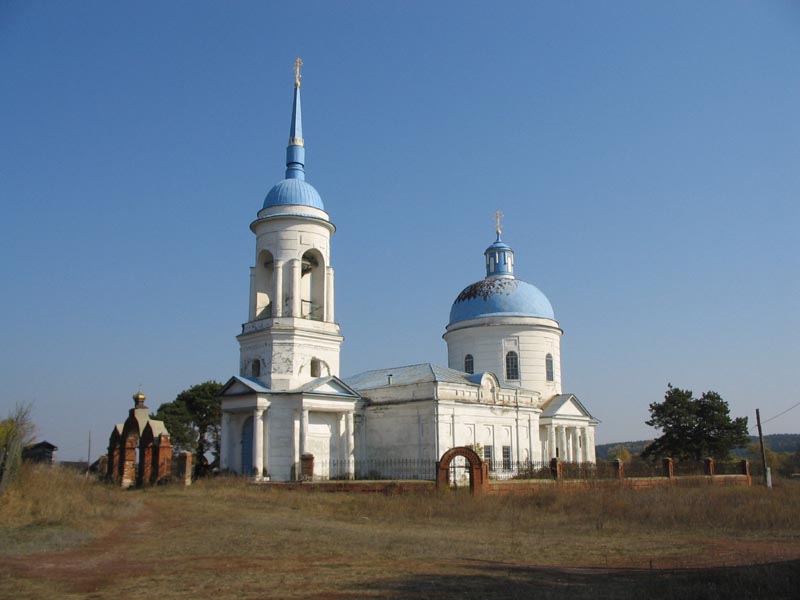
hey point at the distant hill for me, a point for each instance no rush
(777, 442)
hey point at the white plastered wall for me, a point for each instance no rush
(488, 339)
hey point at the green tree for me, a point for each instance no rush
(620, 452)
(694, 428)
(773, 458)
(15, 433)
(193, 420)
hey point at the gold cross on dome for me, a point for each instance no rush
(498, 225)
(297, 64)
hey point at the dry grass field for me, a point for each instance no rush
(63, 536)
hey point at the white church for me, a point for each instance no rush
(500, 393)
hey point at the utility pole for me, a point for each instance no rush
(767, 474)
(89, 454)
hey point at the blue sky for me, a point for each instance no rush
(645, 156)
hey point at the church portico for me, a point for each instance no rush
(266, 432)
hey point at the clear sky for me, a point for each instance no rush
(646, 156)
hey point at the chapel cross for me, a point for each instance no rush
(498, 226)
(297, 64)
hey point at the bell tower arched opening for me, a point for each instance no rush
(264, 283)
(312, 286)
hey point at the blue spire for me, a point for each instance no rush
(295, 190)
(295, 151)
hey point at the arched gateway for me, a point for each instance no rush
(477, 469)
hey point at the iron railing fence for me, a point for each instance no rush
(504, 470)
(643, 468)
(688, 468)
(425, 469)
(600, 470)
(729, 467)
(374, 469)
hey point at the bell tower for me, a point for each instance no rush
(290, 336)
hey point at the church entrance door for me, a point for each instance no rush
(247, 447)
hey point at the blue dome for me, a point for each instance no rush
(502, 297)
(293, 191)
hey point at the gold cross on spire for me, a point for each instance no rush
(498, 225)
(297, 64)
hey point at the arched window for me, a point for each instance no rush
(548, 366)
(512, 365)
(312, 287)
(264, 276)
(256, 368)
(469, 364)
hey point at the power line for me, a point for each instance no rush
(781, 413)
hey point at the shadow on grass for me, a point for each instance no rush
(774, 580)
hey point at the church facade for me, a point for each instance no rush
(500, 393)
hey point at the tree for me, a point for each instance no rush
(15, 432)
(193, 420)
(620, 452)
(694, 428)
(773, 459)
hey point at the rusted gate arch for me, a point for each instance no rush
(478, 470)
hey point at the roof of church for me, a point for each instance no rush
(294, 190)
(500, 293)
(500, 296)
(408, 375)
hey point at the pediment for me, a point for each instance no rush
(240, 386)
(565, 405)
(330, 386)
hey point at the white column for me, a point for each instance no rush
(225, 434)
(562, 442)
(297, 431)
(296, 312)
(348, 434)
(277, 301)
(590, 448)
(570, 453)
(585, 445)
(252, 311)
(533, 428)
(258, 442)
(303, 431)
(329, 295)
(551, 441)
(265, 427)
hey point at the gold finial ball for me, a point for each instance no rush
(139, 397)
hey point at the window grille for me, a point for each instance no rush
(487, 457)
(512, 365)
(506, 458)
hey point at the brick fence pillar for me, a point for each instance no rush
(619, 468)
(307, 467)
(708, 466)
(184, 474)
(556, 469)
(669, 468)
